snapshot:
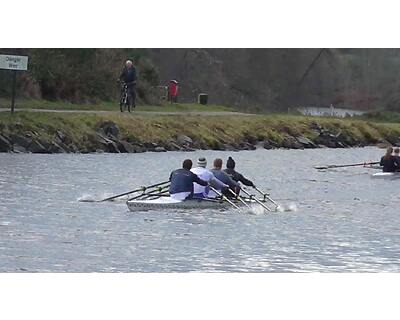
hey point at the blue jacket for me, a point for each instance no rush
(128, 75)
(182, 181)
(224, 177)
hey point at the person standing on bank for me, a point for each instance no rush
(128, 77)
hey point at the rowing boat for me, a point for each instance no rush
(170, 203)
(386, 175)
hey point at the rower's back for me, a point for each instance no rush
(389, 162)
(182, 180)
(205, 175)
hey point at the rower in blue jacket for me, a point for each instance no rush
(224, 177)
(182, 180)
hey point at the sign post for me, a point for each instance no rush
(14, 63)
(14, 81)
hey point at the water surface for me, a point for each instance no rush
(345, 221)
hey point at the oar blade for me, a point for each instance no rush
(321, 167)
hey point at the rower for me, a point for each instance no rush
(388, 162)
(396, 153)
(182, 180)
(236, 176)
(224, 177)
(203, 173)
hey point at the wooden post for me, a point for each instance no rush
(14, 80)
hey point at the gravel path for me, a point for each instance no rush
(157, 113)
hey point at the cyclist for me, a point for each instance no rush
(128, 78)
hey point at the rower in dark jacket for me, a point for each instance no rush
(182, 180)
(236, 176)
(396, 153)
(225, 178)
(390, 163)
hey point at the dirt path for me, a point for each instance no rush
(150, 113)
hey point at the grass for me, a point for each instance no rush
(208, 130)
(381, 116)
(111, 106)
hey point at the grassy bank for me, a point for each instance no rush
(206, 132)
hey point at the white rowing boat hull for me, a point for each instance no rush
(386, 175)
(170, 203)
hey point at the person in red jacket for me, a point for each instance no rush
(173, 91)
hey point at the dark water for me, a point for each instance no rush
(345, 221)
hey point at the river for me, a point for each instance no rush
(344, 222)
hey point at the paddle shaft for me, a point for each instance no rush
(258, 201)
(150, 193)
(345, 165)
(266, 196)
(156, 195)
(137, 190)
(238, 197)
(224, 197)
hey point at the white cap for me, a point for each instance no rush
(202, 162)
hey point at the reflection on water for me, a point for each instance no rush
(344, 221)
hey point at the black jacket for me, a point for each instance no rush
(128, 75)
(390, 165)
(236, 176)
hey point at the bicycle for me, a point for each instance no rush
(127, 97)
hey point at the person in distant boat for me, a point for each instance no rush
(389, 162)
(182, 180)
(396, 153)
(236, 176)
(225, 178)
(128, 76)
(203, 173)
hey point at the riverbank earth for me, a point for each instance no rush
(169, 129)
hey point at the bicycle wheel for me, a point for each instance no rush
(124, 101)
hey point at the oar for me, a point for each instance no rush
(266, 196)
(238, 197)
(258, 201)
(330, 166)
(224, 197)
(155, 196)
(150, 193)
(133, 191)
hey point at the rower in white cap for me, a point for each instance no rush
(203, 173)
